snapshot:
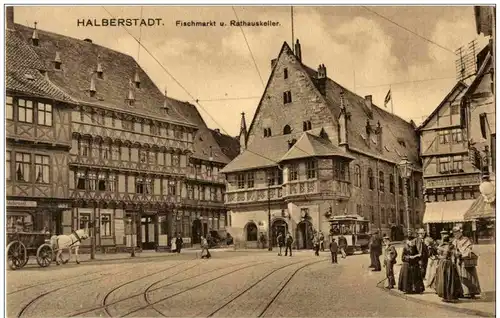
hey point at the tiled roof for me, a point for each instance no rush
(79, 63)
(309, 145)
(230, 146)
(23, 70)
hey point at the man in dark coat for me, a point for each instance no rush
(343, 245)
(288, 242)
(422, 250)
(281, 242)
(178, 243)
(376, 251)
(334, 249)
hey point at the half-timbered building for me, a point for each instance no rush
(315, 149)
(142, 165)
(38, 139)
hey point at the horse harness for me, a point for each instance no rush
(78, 239)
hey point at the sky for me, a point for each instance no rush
(361, 50)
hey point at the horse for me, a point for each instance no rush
(69, 242)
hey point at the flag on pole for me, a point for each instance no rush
(387, 98)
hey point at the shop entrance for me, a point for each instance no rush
(147, 233)
(196, 231)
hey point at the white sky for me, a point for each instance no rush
(356, 46)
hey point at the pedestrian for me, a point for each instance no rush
(343, 245)
(288, 242)
(389, 260)
(205, 253)
(376, 251)
(316, 244)
(173, 247)
(334, 249)
(422, 250)
(262, 240)
(432, 263)
(410, 278)
(322, 241)
(179, 242)
(447, 282)
(281, 242)
(466, 261)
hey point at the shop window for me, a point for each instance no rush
(105, 224)
(163, 225)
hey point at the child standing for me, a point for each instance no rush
(389, 260)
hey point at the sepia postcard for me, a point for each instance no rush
(270, 160)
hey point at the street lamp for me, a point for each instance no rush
(132, 252)
(269, 237)
(405, 170)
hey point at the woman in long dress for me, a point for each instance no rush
(447, 282)
(432, 264)
(410, 277)
(468, 275)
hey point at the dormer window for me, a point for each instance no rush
(285, 73)
(267, 132)
(287, 97)
(287, 130)
(100, 73)
(306, 125)
(137, 80)
(57, 61)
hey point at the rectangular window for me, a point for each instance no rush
(139, 185)
(250, 180)
(24, 111)
(287, 97)
(213, 194)
(127, 125)
(401, 185)
(84, 220)
(42, 169)
(312, 167)
(80, 180)
(372, 214)
(416, 188)
(9, 107)
(271, 177)
(455, 109)
(115, 152)
(383, 217)
(190, 191)
(149, 185)
(105, 224)
(457, 136)
(444, 164)
(444, 136)
(359, 210)
(293, 172)
(142, 156)
(44, 114)
(202, 192)
(111, 182)
(172, 187)
(285, 73)
(7, 165)
(241, 181)
(101, 182)
(84, 148)
(176, 162)
(458, 163)
(92, 177)
(105, 152)
(23, 166)
(391, 183)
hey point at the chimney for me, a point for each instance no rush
(57, 61)
(217, 130)
(321, 79)
(378, 131)
(368, 129)
(273, 63)
(165, 101)
(130, 95)
(321, 71)
(368, 105)
(137, 80)
(92, 89)
(34, 36)
(9, 17)
(298, 50)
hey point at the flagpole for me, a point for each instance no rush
(392, 104)
(291, 17)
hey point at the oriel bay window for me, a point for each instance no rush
(312, 169)
(250, 180)
(293, 172)
(340, 170)
(42, 169)
(23, 166)
(241, 181)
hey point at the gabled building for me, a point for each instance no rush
(451, 181)
(142, 165)
(38, 139)
(314, 149)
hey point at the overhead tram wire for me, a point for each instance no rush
(408, 30)
(188, 93)
(248, 46)
(408, 82)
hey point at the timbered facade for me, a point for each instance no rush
(141, 165)
(38, 139)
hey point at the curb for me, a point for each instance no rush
(475, 312)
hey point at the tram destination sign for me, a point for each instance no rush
(19, 203)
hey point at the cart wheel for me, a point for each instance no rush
(16, 255)
(44, 255)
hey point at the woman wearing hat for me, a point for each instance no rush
(430, 273)
(466, 271)
(447, 282)
(410, 277)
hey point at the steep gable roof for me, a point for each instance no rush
(480, 73)
(230, 146)
(23, 71)
(458, 85)
(309, 145)
(79, 63)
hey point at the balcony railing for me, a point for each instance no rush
(124, 196)
(255, 195)
(301, 187)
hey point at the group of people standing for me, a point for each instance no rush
(448, 265)
(285, 241)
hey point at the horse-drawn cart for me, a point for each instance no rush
(22, 245)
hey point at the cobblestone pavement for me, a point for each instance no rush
(231, 284)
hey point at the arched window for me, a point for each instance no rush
(265, 132)
(309, 126)
(391, 183)
(370, 179)
(306, 125)
(251, 232)
(381, 181)
(357, 176)
(269, 134)
(287, 130)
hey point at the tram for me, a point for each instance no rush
(354, 228)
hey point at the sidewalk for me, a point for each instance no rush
(484, 306)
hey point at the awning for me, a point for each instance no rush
(446, 212)
(480, 209)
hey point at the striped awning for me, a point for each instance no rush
(446, 212)
(481, 209)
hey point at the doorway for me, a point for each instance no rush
(196, 231)
(279, 226)
(147, 233)
(56, 223)
(304, 235)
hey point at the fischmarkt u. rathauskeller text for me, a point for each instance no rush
(212, 23)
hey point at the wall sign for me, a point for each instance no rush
(27, 204)
(452, 181)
